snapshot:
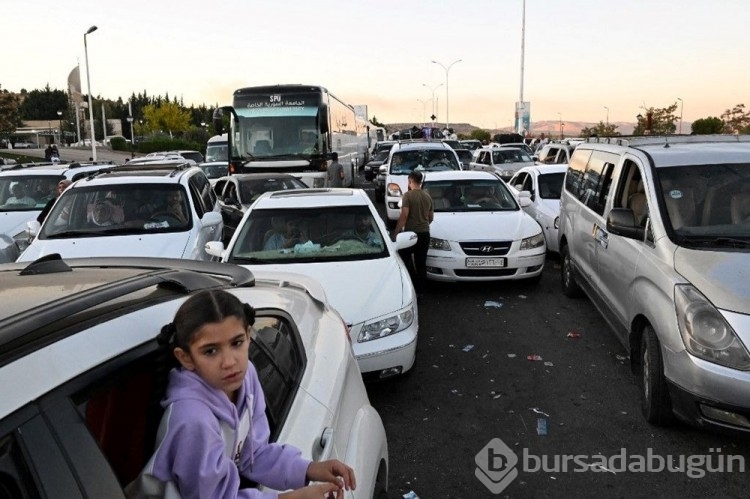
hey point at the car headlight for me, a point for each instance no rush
(705, 332)
(532, 242)
(439, 244)
(385, 327)
(557, 222)
(394, 190)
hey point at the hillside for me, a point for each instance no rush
(551, 128)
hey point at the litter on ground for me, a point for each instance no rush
(493, 304)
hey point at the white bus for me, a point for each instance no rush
(292, 129)
(216, 148)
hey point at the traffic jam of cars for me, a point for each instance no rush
(655, 231)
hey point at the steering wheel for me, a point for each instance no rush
(165, 216)
(438, 163)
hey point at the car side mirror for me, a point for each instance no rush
(32, 228)
(621, 222)
(215, 248)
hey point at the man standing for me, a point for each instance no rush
(335, 176)
(61, 186)
(416, 215)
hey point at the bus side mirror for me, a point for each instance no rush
(323, 116)
(218, 119)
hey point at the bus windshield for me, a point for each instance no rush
(278, 125)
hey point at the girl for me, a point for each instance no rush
(214, 428)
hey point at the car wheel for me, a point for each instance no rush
(379, 491)
(655, 403)
(571, 289)
(379, 195)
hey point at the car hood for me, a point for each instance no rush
(13, 222)
(170, 245)
(721, 276)
(483, 226)
(358, 290)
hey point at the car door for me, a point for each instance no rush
(618, 257)
(209, 227)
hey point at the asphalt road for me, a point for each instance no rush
(472, 383)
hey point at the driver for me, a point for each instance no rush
(176, 206)
(362, 231)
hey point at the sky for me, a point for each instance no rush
(580, 56)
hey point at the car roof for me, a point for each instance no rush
(544, 168)
(460, 175)
(168, 174)
(51, 290)
(309, 198)
(258, 176)
(420, 144)
(56, 169)
(666, 151)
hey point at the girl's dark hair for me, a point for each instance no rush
(205, 307)
(416, 176)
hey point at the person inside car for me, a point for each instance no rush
(283, 236)
(19, 196)
(363, 231)
(214, 430)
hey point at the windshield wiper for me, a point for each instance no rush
(248, 259)
(729, 242)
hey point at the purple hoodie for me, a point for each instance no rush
(208, 442)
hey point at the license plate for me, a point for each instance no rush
(485, 262)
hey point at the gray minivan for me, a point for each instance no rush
(656, 231)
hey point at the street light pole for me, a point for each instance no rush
(605, 107)
(447, 118)
(681, 105)
(424, 111)
(59, 132)
(559, 115)
(88, 83)
(433, 94)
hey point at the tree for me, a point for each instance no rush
(479, 134)
(601, 130)
(10, 116)
(736, 120)
(167, 117)
(708, 126)
(657, 121)
(375, 122)
(43, 104)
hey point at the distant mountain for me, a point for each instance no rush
(550, 128)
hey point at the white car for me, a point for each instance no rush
(130, 211)
(405, 157)
(39, 185)
(314, 232)
(82, 372)
(505, 161)
(543, 185)
(480, 233)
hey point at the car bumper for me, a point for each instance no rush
(452, 267)
(385, 357)
(392, 210)
(705, 394)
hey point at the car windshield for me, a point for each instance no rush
(506, 155)
(119, 209)
(432, 160)
(27, 192)
(213, 170)
(250, 189)
(464, 155)
(707, 204)
(550, 185)
(381, 155)
(470, 195)
(309, 235)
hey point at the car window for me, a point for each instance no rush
(470, 195)
(309, 235)
(550, 185)
(203, 186)
(117, 209)
(16, 479)
(596, 181)
(27, 192)
(576, 168)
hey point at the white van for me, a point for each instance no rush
(216, 148)
(656, 231)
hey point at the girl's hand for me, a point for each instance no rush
(332, 471)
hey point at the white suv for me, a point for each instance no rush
(131, 211)
(82, 372)
(39, 184)
(408, 156)
(656, 231)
